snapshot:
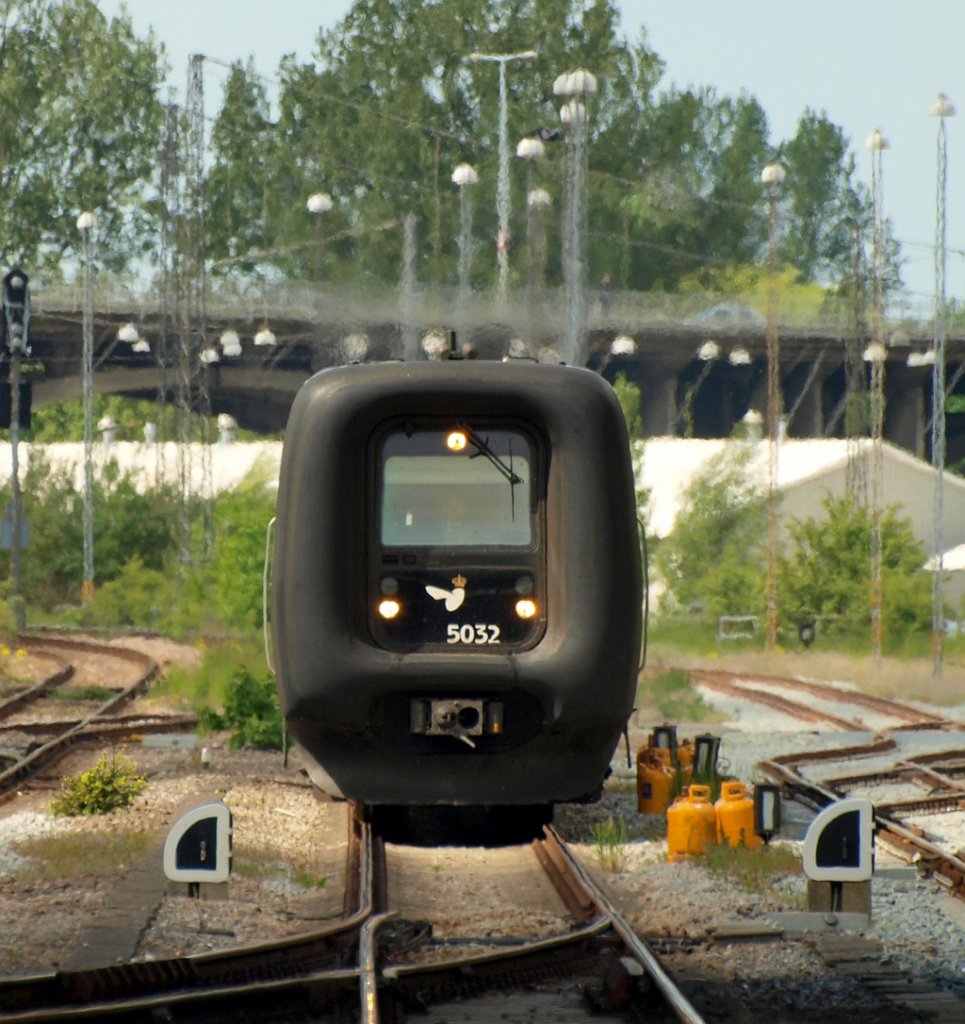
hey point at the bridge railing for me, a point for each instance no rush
(336, 303)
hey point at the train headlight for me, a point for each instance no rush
(456, 441)
(389, 608)
(526, 608)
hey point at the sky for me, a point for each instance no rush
(865, 64)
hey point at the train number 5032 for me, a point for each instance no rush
(480, 633)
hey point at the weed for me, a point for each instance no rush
(93, 692)
(308, 881)
(754, 870)
(113, 782)
(74, 854)
(611, 841)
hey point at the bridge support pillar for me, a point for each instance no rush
(907, 396)
(658, 405)
(806, 401)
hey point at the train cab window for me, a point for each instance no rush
(457, 486)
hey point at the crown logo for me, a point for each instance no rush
(459, 581)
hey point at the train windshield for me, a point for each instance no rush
(458, 487)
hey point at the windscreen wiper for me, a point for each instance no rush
(482, 448)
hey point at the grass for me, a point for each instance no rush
(76, 854)
(904, 676)
(754, 870)
(261, 863)
(611, 839)
(670, 693)
(93, 692)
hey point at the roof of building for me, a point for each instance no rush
(666, 466)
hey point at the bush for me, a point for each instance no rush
(251, 713)
(113, 782)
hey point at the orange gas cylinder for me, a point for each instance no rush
(691, 824)
(654, 780)
(735, 816)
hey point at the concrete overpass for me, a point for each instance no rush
(699, 361)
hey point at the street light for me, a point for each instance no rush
(530, 148)
(86, 223)
(875, 354)
(16, 307)
(502, 185)
(941, 108)
(318, 204)
(772, 177)
(575, 87)
(464, 177)
(538, 201)
(230, 343)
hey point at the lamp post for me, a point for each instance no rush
(531, 149)
(772, 177)
(941, 108)
(575, 87)
(86, 223)
(464, 177)
(875, 354)
(502, 183)
(537, 202)
(318, 204)
(16, 307)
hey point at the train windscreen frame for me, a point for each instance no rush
(457, 535)
(456, 486)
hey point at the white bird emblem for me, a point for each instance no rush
(453, 598)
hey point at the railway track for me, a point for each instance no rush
(34, 740)
(374, 965)
(380, 960)
(936, 780)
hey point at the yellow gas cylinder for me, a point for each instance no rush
(735, 816)
(685, 759)
(691, 824)
(654, 780)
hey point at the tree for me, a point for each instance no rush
(827, 572)
(393, 104)
(79, 130)
(713, 560)
(824, 202)
(238, 185)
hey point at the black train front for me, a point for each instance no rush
(456, 591)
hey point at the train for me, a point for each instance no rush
(456, 583)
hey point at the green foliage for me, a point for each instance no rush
(611, 839)
(60, 858)
(828, 572)
(71, 693)
(251, 713)
(80, 121)
(628, 394)
(754, 870)
(112, 783)
(139, 579)
(672, 694)
(64, 421)
(209, 683)
(231, 579)
(713, 559)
